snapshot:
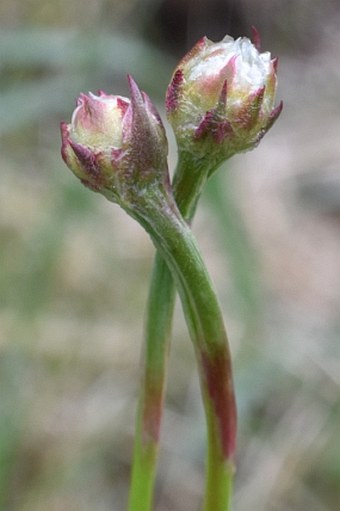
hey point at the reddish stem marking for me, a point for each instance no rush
(218, 375)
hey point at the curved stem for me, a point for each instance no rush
(188, 182)
(176, 243)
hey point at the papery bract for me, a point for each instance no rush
(115, 145)
(221, 98)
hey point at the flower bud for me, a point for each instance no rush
(221, 98)
(116, 146)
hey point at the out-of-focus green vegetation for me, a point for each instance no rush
(74, 269)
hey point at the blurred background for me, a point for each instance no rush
(74, 268)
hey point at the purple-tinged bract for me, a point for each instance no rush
(115, 145)
(221, 99)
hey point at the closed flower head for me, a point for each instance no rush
(115, 145)
(221, 97)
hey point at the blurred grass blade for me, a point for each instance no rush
(239, 249)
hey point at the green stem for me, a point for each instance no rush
(176, 243)
(188, 183)
(152, 386)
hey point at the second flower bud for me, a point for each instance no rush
(117, 146)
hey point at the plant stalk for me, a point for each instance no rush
(189, 181)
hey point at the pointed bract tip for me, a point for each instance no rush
(276, 112)
(136, 93)
(173, 91)
(256, 38)
(274, 115)
(258, 95)
(196, 49)
(275, 62)
(82, 99)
